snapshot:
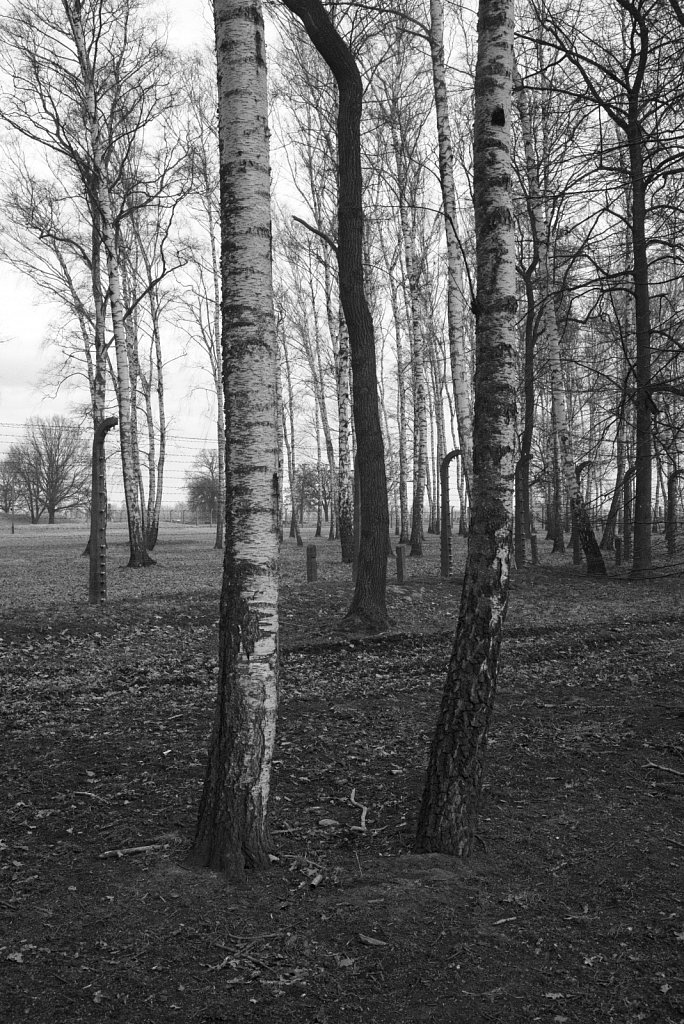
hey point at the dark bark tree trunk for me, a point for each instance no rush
(525, 459)
(558, 538)
(627, 514)
(97, 542)
(671, 511)
(368, 606)
(642, 317)
(608, 538)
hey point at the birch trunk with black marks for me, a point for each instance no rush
(101, 191)
(232, 834)
(460, 371)
(448, 813)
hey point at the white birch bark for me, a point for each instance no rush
(402, 414)
(416, 347)
(452, 791)
(138, 553)
(232, 829)
(460, 368)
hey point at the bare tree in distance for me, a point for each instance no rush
(89, 79)
(50, 468)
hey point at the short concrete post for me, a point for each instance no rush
(401, 562)
(534, 549)
(311, 564)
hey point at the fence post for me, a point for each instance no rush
(401, 562)
(311, 564)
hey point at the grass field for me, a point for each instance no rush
(569, 911)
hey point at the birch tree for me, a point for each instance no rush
(626, 57)
(201, 301)
(232, 831)
(595, 563)
(454, 779)
(89, 77)
(455, 287)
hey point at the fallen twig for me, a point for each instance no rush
(85, 792)
(364, 812)
(130, 850)
(663, 768)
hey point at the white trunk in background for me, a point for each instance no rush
(138, 553)
(416, 343)
(540, 229)
(232, 832)
(460, 370)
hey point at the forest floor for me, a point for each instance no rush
(570, 910)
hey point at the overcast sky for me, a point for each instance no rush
(25, 350)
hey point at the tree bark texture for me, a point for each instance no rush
(369, 601)
(460, 372)
(232, 833)
(97, 585)
(101, 194)
(415, 333)
(454, 780)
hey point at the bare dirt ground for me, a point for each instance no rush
(570, 910)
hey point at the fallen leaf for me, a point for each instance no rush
(554, 995)
(328, 821)
(17, 957)
(368, 940)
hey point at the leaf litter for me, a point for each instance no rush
(105, 722)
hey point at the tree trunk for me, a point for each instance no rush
(642, 317)
(368, 606)
(97, 585)
(460, 372)
(319, 478)
(525, 458)
(454, 781)
(627, 514)
(413, 323)
(608, 538)
(345, 486)
(585, 532)
(232, 833)
(138, 551)
(290, 444)
(402, 421)
(671, 511)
